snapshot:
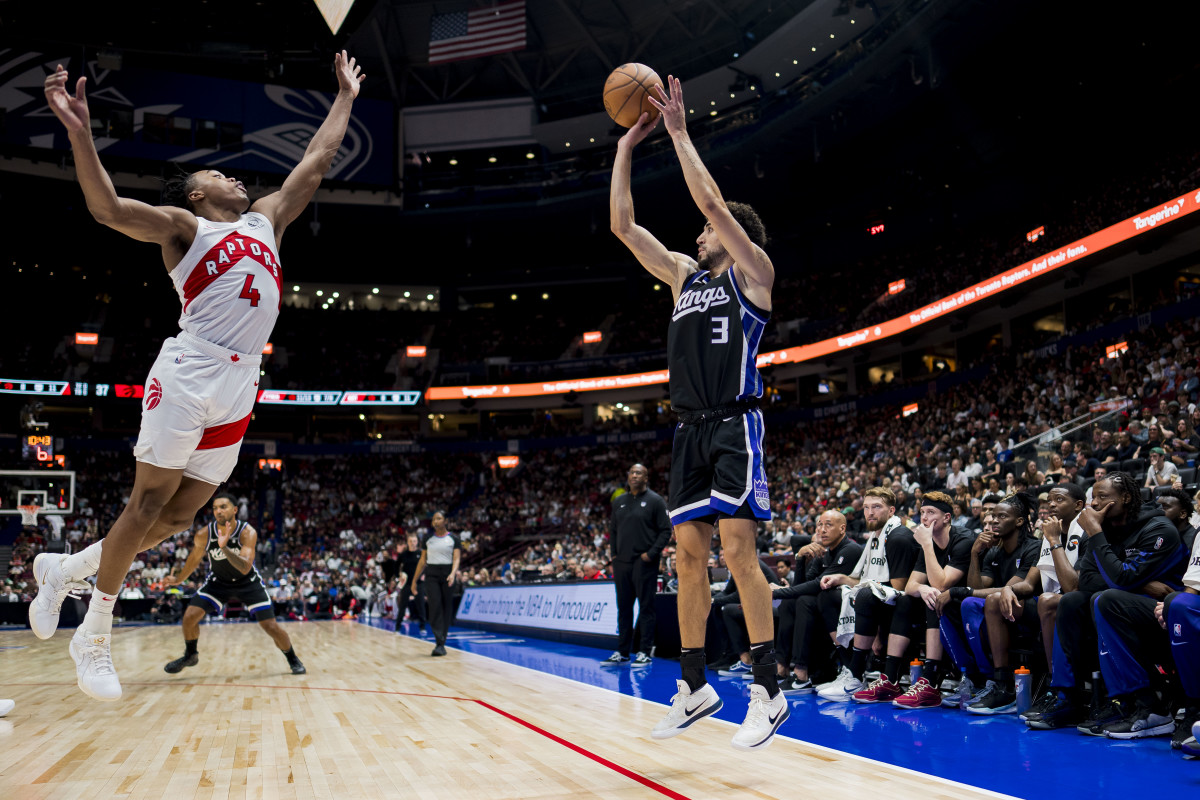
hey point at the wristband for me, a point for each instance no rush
(1054, 547)
(961, 592)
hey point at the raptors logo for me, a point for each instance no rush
(153, 394)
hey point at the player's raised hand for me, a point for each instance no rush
(72, 111)
(172, 579)
(669, 102)
(641, 129)
(349, 74)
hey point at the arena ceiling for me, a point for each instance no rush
(572, 45)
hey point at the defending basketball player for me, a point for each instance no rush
(221, 252)
(722, 303)
(230, 546)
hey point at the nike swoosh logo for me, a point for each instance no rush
(689, 711)
(778, 714)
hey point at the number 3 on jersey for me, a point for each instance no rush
(720, 330)
(249, 292)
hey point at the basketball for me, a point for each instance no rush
(626, 93)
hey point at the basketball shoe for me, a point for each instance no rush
(763, 718)
(686, 708)
(93, 665)
(53, 588)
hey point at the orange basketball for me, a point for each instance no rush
(626, 93)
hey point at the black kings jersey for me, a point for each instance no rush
(712, 344)
(219, 568)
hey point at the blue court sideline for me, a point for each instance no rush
(996, 753)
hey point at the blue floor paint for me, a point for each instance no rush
(996, 753)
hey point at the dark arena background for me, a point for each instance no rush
(987, 281)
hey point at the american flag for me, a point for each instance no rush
(483, 32)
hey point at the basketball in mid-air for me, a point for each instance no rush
(627, 92)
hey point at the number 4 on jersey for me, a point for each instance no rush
(249, 292)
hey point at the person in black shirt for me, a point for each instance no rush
(1129, 545)
(639, 531)
(1010, 582)
(230, 546)
(439, 556)
(831, 552)
(1178, 507)
(412, 595)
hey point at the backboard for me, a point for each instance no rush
(52, 489)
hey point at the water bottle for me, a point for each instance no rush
(914, 672)
(1024, 697)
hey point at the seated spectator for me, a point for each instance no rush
(1162, 471)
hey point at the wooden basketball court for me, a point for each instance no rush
(376, 717)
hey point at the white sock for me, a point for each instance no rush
(99, 616)
(83, 564)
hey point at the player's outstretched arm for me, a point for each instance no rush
(673, 268)
(199, 551)
(752, 262)
(159, 224)
(297, 192)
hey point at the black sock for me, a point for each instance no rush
(1005, 680)
(289, 654)
(691, 659)
(932, 672)
(189, 647)
(762, 664)
(891, 668)
(858, 662)
(843, 656)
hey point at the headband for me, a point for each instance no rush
(940, 505)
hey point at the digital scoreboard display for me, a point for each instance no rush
(37, 447)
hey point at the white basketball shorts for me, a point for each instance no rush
(197, 405)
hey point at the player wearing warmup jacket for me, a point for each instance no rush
(1129, 546)
(229, 544)
(722, 304)
(440, 555)
(222, 253)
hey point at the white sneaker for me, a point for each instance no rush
(53, 588)
(843, 689)
(844, 671)
(6, 706)
(687, 707)
(93, 665)
(763, 718)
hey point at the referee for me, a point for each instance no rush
(639, 531)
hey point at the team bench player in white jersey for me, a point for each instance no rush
(222, 253)
(722, 304)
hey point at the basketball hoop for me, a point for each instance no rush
(29, 514)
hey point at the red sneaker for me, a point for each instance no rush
(920, 695)
(880, 691)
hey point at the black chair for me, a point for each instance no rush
(1160, 490)
(1188, 476)
(1135, 467)
(1147, 495)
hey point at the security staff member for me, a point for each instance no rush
(639, 531)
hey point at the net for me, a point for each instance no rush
(29, 514)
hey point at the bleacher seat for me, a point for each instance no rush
(1135, 467)
(1188, 476)
(1147, 495)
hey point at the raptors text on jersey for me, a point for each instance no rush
(230, 283)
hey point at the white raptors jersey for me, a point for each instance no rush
(229, 283)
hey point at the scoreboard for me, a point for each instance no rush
(38, 447)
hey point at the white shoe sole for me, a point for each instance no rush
(699, 715)
(1160, 730)
(770, 737)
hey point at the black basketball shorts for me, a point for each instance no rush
(717, 470)
(213, 596)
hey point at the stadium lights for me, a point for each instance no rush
(428, 297)
(375, 290)
(491, 159)
(408, 294)
(320, 293)
(529, 155)
(454, 162)
(295, 288)
(545, 295)
(337, 294)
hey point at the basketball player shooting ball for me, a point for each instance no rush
(221, 252)
(722, 303)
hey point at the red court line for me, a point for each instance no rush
(599, 759)
(658, 787)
